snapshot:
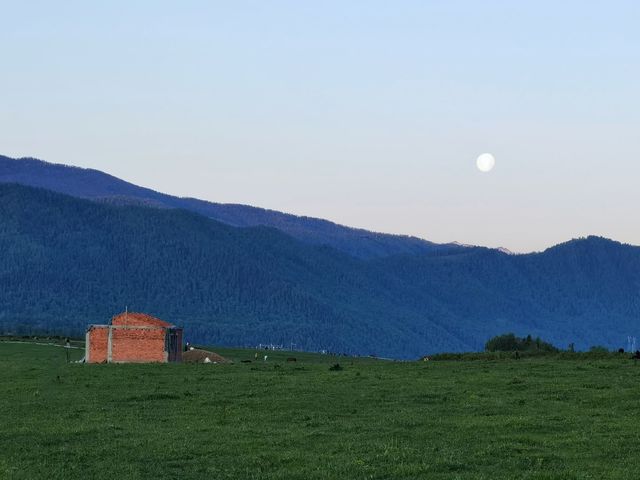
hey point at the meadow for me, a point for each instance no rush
(533, 418)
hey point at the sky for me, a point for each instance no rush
(367, 113)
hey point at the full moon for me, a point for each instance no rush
(486, 162)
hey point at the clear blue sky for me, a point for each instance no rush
(368, 113)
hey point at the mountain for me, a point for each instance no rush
(96, 185)
(69, 262)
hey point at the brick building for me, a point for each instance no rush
(133, 337)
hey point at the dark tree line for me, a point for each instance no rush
(511, 343)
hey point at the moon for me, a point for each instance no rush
(486, 162)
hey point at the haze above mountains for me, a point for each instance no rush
(82, 244)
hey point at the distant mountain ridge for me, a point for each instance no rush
(97, 185)
(67, 262)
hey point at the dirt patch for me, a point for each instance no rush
(200, 356)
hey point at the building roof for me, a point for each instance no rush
(138, 319)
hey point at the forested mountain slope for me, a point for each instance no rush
(93, 184)
(67, 262)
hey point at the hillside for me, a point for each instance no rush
(96, 185)
(68, 262)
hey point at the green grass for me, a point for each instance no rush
(533, 418)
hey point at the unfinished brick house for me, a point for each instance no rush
(134, 337)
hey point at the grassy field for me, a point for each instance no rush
(530, 418)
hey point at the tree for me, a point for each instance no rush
(509, 342)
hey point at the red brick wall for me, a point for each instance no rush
(138, 345)
(135, 337)
(98, 338)
(138, 319)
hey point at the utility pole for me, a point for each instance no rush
(67, 346)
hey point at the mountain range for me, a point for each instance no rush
(96, 185)
(79, 246)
